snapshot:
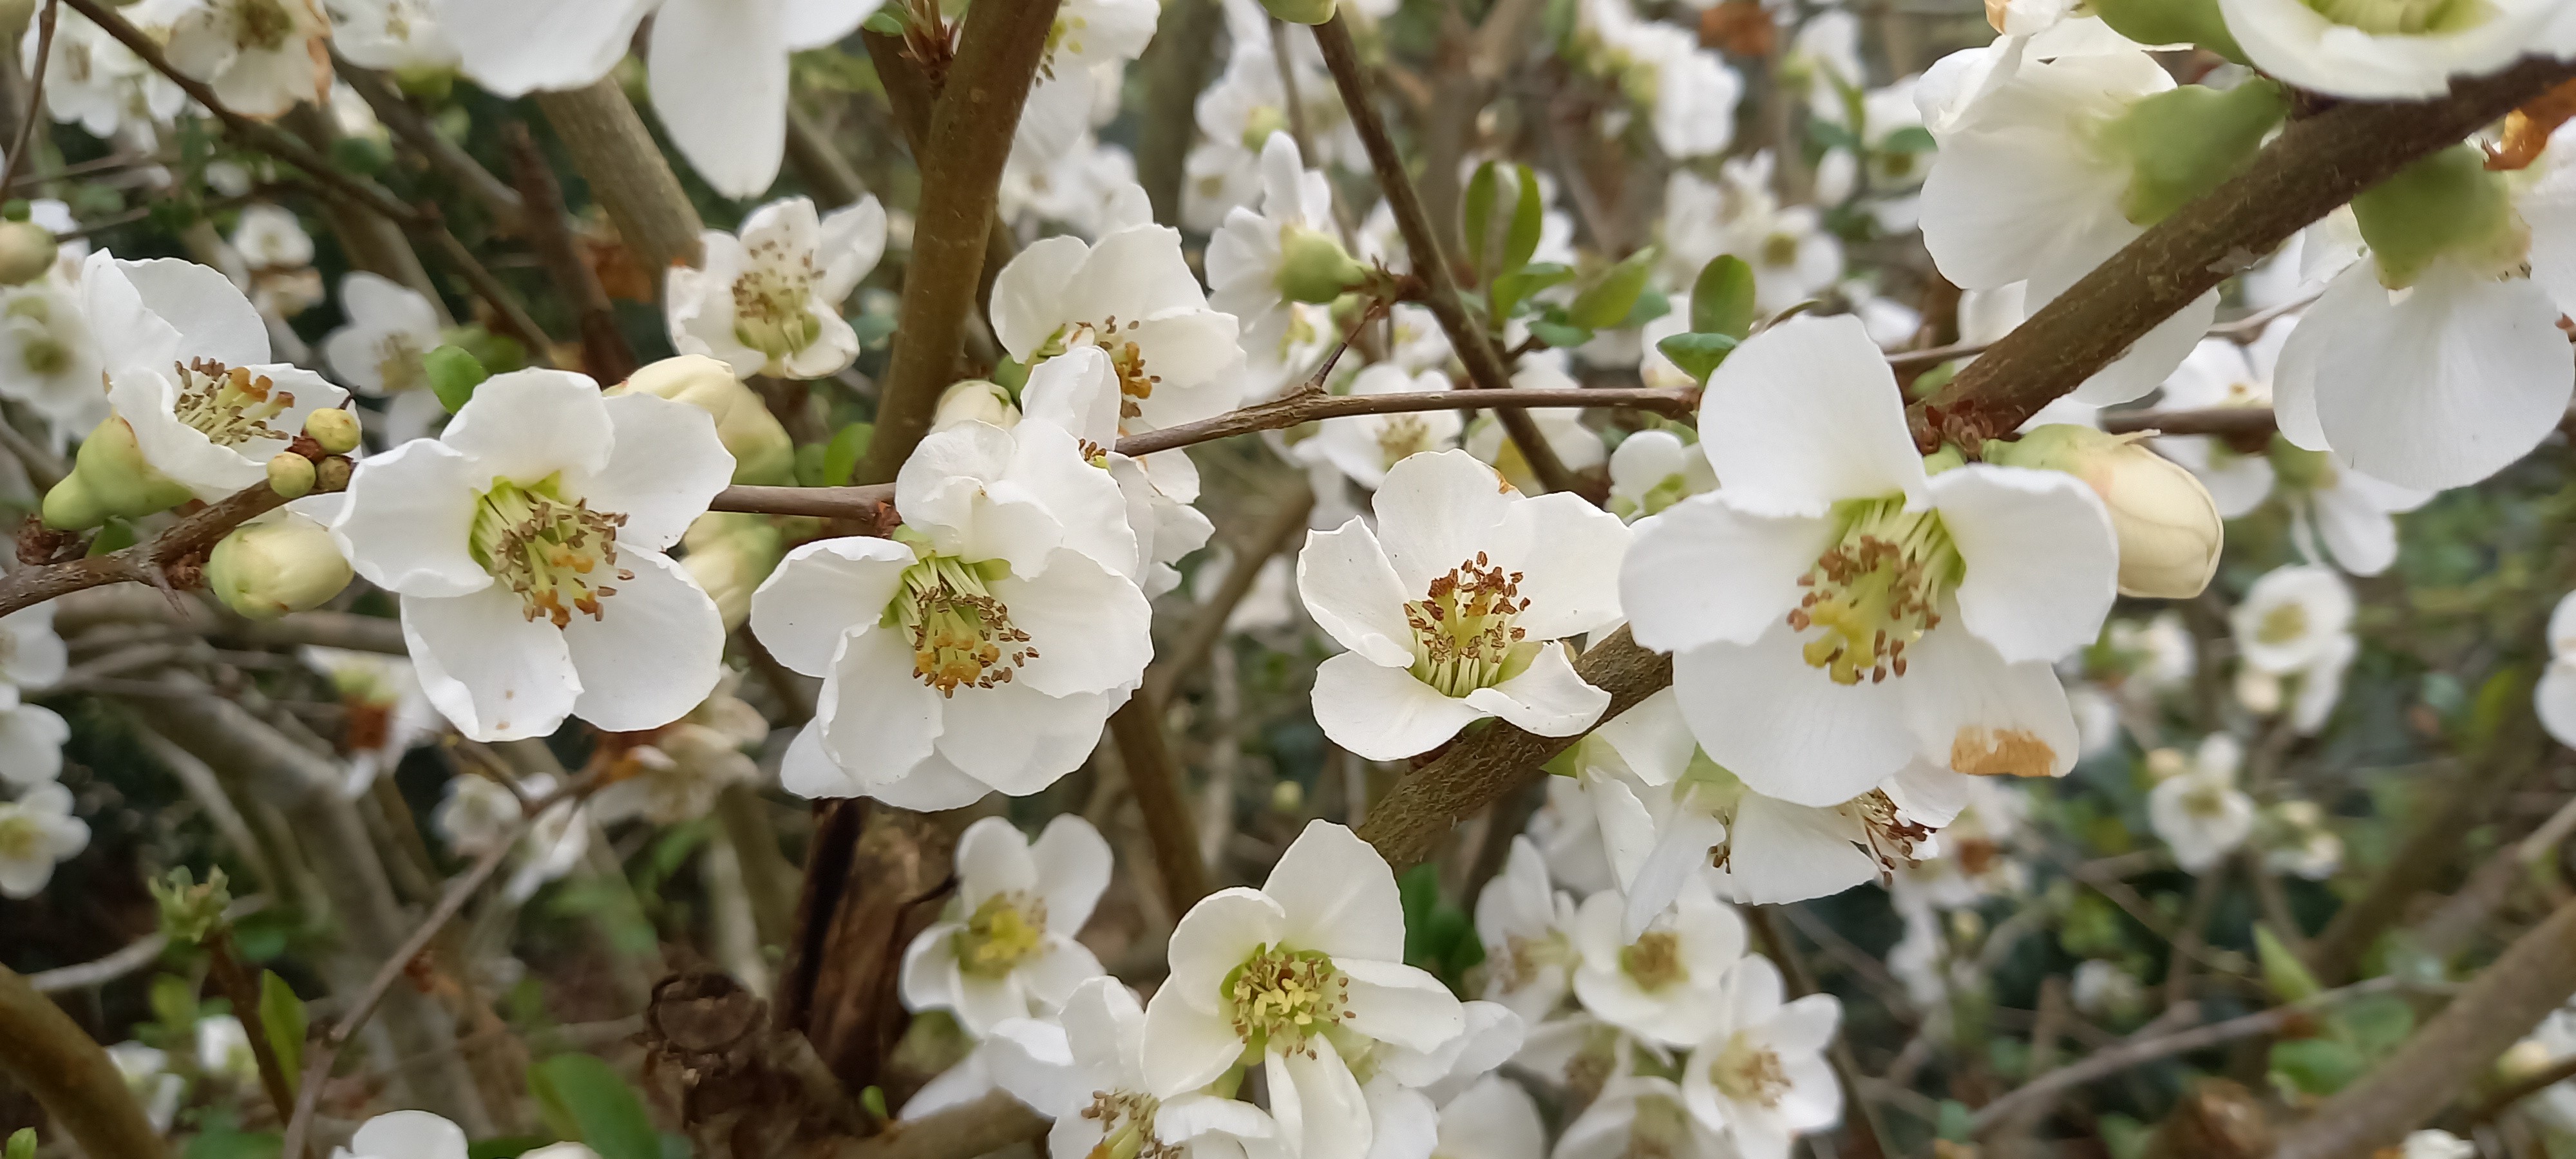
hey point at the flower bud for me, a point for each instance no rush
(110, 479)
(290, 475)
(332, 474)
(2258, 691)
(2183, 142)
(27, 250)
(272, 566)
(975, 400)
(2166, 764)
(1313, 267)
(762, 452)
(1300, 11)
(2168, 526)
(335, 429)
(729, 554)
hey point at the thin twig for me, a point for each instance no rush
(408, 125)
(35, 98)
(135, 956)
(1154, 776)
(1199, 638)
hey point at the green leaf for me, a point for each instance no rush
(887, 21)
(22, 1144)
(1479, 215)
(283, 1018)
(1526, 215)
(1558, 334)
(364, 156)
(1511, 288)
(2283, 974)
(1650, 305)
(1722, 298)
(848, 446)
(1831, 135)
(1697, 354)
(2316, 1066)
(1910, 139)
(174, 1003)
(583, 1098)
(1603, 303)
(506, 1147)
(453, 374)
(2375, 1024)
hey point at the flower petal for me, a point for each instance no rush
(1787, 729)
(1352, 592)
(655, 651)
(719, 81)
(2447, 386)
(1442, 509)
(1028, 295)
(1568, 557)
(1091, 629)
(664, 465)
(1977, 714)
(528, 424)
(1805, 414)
(1548, 698)
(1386, 714)
(1074, 864)
(992, 858)
(1396, 1003)
(1708, 570)
(821, 591)
(410, 519)
(1337, 896)
(492, 671)
(2042, 563)
(877, 721)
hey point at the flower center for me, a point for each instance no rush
(2282, 624)
(1876, 590)
(2206, 801)
(1750, 1072)
(1000, 934)
(19, 837)
(1892, 839)
(770, 299)
(2405, 17)
(398, 364)
(1280, 997)
(1126, 1121)
(1135, 383)
(261, 23)
(230, 405)
(1654, 960)
(1779, 249)
(1661, 1130)
(1463, 636)
(962, 637)
(558, 554)
(1524, 958)
(1401, 436)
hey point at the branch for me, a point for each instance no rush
(45, 1052)
(1155, 778)
(2315, 165)
(1485, 368)
(986, 1125)
(407, 123)
(628, 176)
(135, 956)
(1176, 67)
(604, 352)
(1207, 626)
(144, 562)
(2536, 974)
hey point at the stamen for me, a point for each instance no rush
(1875, 591)
(557, 554)
(770, 298)
(1463, 635)
(1280, 998)
(962, 637)
(230, 405)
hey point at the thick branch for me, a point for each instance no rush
(627, 173)
(44, 1051)
(1155, 778)
(1485, 366)
(143, 562)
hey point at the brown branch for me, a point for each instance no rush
(35, 97)
(2223, 421)
(1430, 263)
(224, 967)
(605, 355)
(2316, 164)
(988, 1124)
(408, 125)
(45, 1053)
(144, 562)
(1175, 67)
(1207, 625)
(1155, 778)
(1307, 406)
(628, 176)
(1860, 1115)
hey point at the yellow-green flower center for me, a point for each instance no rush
(770, 300)
(556, 553)
(2282, 624)
(230, 405)
(398, 364)
(1279, 997)
(1876, 590)
(1750, 1072)
(1463, 635)
(962, 637)
(1400, 437)
(1135, 383)
(1002, 932)
(1654, 960)
(20, 837)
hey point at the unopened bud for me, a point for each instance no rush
(2258, 691)
(2166, 764)
(1300, 11)
(332, 474)
(975, 400)
(110, 479)
(762, 452)
(27, 250)
(189, 910)
(729, 554)
(290, 475)
(1313, 266)
(272, 566)
(335, 429)
(2168, 527)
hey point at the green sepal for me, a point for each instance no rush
(1698, 354)
(2183, 143)
(2446, 204)
(2171, 22)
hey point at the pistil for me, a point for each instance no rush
(556, 553)
(1876, 591)
(962, 637)
(228, 404)
(1463, 635)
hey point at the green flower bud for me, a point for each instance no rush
(335, 429)
(2446, 204)
(190, 911)
(2171, 22)
(975, 400)
(2168, 526)
(729, 554)
(1313, 267)
(762, 452)
(290, 474)
(272, 566)
(26, 251)
(2183, 143)
(110, 480)
(332, 474)
(1300, 11)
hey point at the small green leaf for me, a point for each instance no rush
(1697, 354)
(1650, 305)
(22, 1144)
(1558, 335)
(1603, 303)
(2283, 974)
(887, 21)
(583, 1098)
(283, 1018)
(1910, 139)
(1511, 288)
(2316, 1066)
(1527, 215)
(1831, 135)
(506, 1147)
(848, 446)
(453, 374)
(174, 1003)
(873, 1098)
(2375, 1024)
(1479, 215)
(1722, 297)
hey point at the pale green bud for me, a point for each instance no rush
(2446, 204)
(2171, 22)
(2167, 525)
(2183, 143)
(270, 567)
(189, 911)
(335, 429)
(27, 250)
(290, 475)
(975, 400)
(729, 554)
(110, 479)
(1313, 267)
(1300, 11)
(762, 452)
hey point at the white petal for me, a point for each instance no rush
(513, 48)
(1782, 852)
(1018, 739)
(528, 424)
(212, 318)
(2361, 536)
(1548, 699)
(31, 744)
(822, 590)
(409, 1135)
(1385, 714)
(1218, 933)
(1335, 1116)
(493, 672)
(1352, 591)
(654, 653)
(664, 466)
(1977, 714)
(2556, 701)
(1185, 1048)
(1708, 570)
(2146, 363)
(1027, 296)
(1337, 896)
(1439, 510)
(1568, 557)
(1396, 1003)
(2450, 385)
(877, 721)
(2042, 563)
(1806, 413)
(719, 80)
(1090, 627)
(1073, 864)
(410, 519)
(1787, 729)
(992, 858)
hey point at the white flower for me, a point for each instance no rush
(147, 1074)
(2198, 810)
(769, 301)
(31, 654)
(1492, 1119)
(387, 712)
(1086, 54)
(479, 813)
(2220, 373)
(99, 83)
(984, 646)
(1762, 1077)
(223, 1050)
(49, 360)
(1663, 985)
(717, 68)
(1305, 974)
(262, 57)
(1640, 1115)
(2291, 618)
(1652, 470)
(2158, 656)
(389, 34)
(36, 831)
(1793, 256)
(1453, 611)
(1527, 926)
(1005, 949)
(1568, 831)
(406, 1135)
(1090, 189)
(1830, 556)
(2436, 1144)
(1089, 1074)
(188, 369)
(2298, 842)
(1974, 861)
(527, 545)
(686, 763)
(1079, 392)
(269, 237)
(379, 350)
(2383, 49)
(1254, 257)
(2555, 698)
(2104, 990)
(1689, 92)
(1133, 297)
(1366, 447)
(1577, 446)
